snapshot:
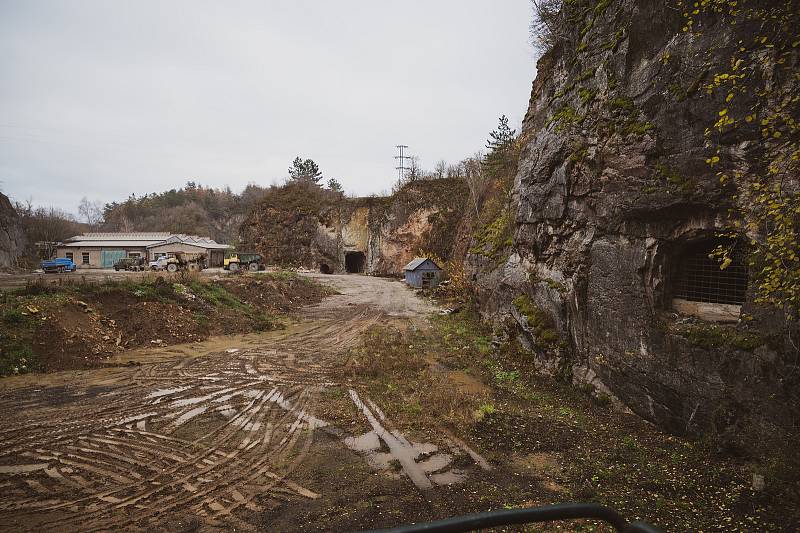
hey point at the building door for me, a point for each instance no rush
(109, 257)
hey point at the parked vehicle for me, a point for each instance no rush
(59, 264)
(130, 263)
(250, 261)
(179, 261)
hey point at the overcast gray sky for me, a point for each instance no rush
(106, 98)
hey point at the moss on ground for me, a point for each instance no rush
(603, 456)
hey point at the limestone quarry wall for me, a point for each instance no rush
(613, 185)
(300, 225)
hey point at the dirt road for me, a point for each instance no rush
(242, 432)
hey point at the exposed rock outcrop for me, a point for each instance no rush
(302, 225)
(12, 240)
(612, 191)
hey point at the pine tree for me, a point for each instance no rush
(305, 170)
(499, 144)
(334, 185)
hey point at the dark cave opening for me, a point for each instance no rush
(325, 269)
(354, 262)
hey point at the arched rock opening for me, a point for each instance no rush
(355, 262)
(325, 269)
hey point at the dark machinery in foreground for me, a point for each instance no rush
(548, 513)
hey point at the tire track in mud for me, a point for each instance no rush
(217, 436)
(122, 451)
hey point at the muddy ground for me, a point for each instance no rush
(363, 413)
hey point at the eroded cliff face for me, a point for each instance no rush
(12, 240)
(305, 226)
(613, 192)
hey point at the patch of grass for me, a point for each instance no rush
(13, 317)
(16, 358)
(280, 275)
(202, 320)
(506, 376)
(264, 322)
(484, 410)
(217, 295)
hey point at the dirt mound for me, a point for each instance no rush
(81, 325)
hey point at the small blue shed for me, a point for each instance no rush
(422, 273)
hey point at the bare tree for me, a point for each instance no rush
(548, 24)
(44, 227)
(440, 169)
(456, 171)
(477, 180)
(414, 171)
(91, 211)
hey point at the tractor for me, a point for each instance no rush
(236, 261)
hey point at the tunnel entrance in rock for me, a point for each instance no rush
(355, 262)
(700, 278)
(324, 268)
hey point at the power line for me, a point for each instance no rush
(401, 170)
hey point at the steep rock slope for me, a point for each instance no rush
(613, 195)
(11, 235)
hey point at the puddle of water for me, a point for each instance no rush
(312, 421)
(185, 417)
(183, 402)
(399, 450)
(440, 461)
(136, 418)
(424, 463)
(365, 443)
(451, 477)
(158, 393)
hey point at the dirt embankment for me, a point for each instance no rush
(79, 325)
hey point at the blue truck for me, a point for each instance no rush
(59, 264)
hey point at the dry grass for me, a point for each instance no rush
(402, 371)
(612, 458)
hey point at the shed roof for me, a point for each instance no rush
(417, 262)
(140, 239)
(108, 244)
(125, 236)
(193, 240)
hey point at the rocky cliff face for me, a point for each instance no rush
(305, 226)
(11, 237)
(612, 198)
